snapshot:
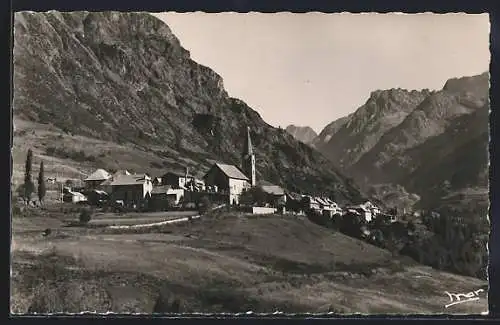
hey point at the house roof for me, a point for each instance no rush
(100, 192)
(161, 189)
(129, 180)
(108, 181)
(328, 200)
(75, 194)
(361, 207)
(295, 196)
(98, 175)
(272, 189)
(319, 200)
(231, 171)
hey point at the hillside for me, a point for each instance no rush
(433, 144)
(225, 263)
(329, 131)
(304, 134)
(119, 87)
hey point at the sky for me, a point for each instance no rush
(310, 69)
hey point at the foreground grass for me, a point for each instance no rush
(224, 264)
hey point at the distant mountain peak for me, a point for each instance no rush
(304, 134)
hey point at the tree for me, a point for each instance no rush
(254, 195)
(41, 184)
(204, 205)
(28, 183)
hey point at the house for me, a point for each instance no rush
(194, 184)
(51, 180)
(106, 185)
(165, 197)
(176, 180)
(275, 195)
(390, 218)
(157, 181)
(362, 211)
(373, 208)
(95, 179)
(333, 207)
(328, 207)
(228, 179)
(74, 197)
(131, 189)
(311, 203)
(294, 202)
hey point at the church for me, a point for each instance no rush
(230, 179)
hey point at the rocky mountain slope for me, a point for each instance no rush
(434, 144)
(124, 78)
(304, 134)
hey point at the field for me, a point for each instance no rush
(225, 262)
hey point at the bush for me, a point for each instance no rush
(85, 216)
(204, 205)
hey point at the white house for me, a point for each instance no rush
(373, 208)
(362, 211)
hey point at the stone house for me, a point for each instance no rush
(131, 189)
(228, 179)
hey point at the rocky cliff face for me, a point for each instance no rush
(304, 134)
(431, 143)
(124, 78)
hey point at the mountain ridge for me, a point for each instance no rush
(385, 140)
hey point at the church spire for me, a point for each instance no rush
(248, 150)
(248, 159)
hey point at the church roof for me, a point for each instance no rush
(231, 171)
(129, 180)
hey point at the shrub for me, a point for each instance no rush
(204, 204)
(85, 216)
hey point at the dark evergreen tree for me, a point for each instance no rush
(41, 184)
(29, 187)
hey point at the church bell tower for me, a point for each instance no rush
(248, 159)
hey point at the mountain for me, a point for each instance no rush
(330, 130)
(432, 143)
(304, 134)
(122, 88)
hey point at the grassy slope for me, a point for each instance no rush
(226, 264)
(39, 137)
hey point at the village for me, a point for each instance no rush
(224, 184)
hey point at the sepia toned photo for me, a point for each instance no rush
(167, 163)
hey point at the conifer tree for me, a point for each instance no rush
(41, 184)
(28, 183)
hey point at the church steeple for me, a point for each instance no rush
(248, 159)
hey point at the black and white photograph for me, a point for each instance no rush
(250, 163)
